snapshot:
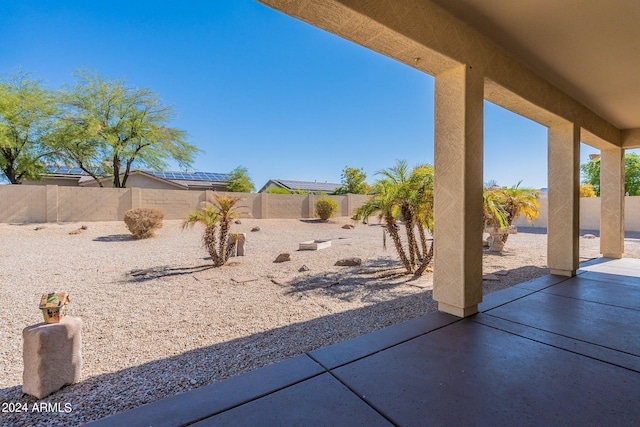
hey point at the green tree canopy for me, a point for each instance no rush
(26, 111)
(591, 174)
(107, 125)
(353, 182)
(239, 181)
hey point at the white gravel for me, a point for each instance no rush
(157, 334)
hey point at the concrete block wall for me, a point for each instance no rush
(23, 203)
(174, 204)
(92, 204)
(51, 203)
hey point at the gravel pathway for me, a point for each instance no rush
(158, 320)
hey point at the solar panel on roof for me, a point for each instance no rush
(191, 176)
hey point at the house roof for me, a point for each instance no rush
(182, 179)
(326, 187)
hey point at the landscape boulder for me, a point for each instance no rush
(283, 257)
(349, 262)
(303, 268)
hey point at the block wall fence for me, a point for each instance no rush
(51, 203)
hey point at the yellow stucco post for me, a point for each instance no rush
(563, 249)
(457, 282)
(612, 203)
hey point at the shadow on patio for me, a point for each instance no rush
(551, 351)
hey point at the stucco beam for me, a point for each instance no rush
(631, 138)
(408, 29)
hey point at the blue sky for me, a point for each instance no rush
(256, 88)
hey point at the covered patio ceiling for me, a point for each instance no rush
(590, 50)
(547, 60)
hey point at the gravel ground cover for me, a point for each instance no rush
(159, 320)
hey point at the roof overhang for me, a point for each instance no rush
(551, 61)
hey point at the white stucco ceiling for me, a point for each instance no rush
(588, 48)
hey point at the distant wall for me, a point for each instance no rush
(590, 214)
(52, 203)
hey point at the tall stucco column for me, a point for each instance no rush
(612, 203)
(563, 249)
(457, 282)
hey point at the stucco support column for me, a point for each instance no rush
(563, 249)
(457, 282)
(612, 203)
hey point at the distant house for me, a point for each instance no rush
(313, 187)
(138, 178)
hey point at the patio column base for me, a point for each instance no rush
(568, 273)
(612, 255)
(458, 311)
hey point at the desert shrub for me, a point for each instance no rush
(278, 190)
(326, 208)
(143, 222)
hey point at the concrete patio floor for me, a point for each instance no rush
(552, 351)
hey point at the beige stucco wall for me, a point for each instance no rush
(29, 204)
(590, 214)
(22, 203)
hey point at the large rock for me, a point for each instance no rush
(52, 355)
(283, 257)
(349, 262)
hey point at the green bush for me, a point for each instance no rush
(326, 208)
(143, 222)
(278, 190)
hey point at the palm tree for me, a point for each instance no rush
(211, 215)
(407, 196)
(520, 202)
(495, 216)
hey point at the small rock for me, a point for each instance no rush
(349, 262)
(39, 228)
(283, 257)
(303, 268)
(589, 236)
(84, 227)
(255, 229)
(237, 221)
(78, 231)
(348, 227)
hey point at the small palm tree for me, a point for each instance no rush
(217, 219)
(407, 196)
(520, 202)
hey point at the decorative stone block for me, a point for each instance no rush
(242, 238)
(52, 355)
(314, 245)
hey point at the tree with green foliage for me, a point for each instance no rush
(353, 182)
(591, 174)
(278, 190)
(107, 125)
(238, 181)
(26, 111)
